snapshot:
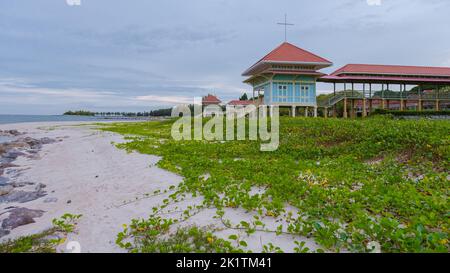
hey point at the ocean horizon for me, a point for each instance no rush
(11, 119)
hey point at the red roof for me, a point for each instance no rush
(389, 73)
(240, 102)
(384, 79)
(210, 99)
(289, 53)
(393, 70)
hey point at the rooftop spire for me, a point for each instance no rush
(285, 24)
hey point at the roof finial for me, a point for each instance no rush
(285, 24)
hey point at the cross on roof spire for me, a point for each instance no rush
(285, 24)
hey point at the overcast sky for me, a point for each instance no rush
(135, 55)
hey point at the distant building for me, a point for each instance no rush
(207, 101)
(240, 102)
(210, 100)
(287, 77)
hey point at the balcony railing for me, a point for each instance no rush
(387, 95)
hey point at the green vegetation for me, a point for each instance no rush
(184, 240)
(412, 113)
(155, 113)
(79, 113)
(30, 244)
(354, 183)
(244, 97)
(43, 242)
(66, 223)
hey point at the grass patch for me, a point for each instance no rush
(30, 244)
(43, 242)
(320, 168)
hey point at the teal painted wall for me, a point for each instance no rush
(285, 89)
(289, 92)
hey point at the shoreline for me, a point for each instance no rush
(83, 173)
(18, 119)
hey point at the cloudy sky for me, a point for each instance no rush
(137, 55)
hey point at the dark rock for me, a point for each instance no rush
(3, 232)
(39, 187)
(47, 140)
(21, 184)
(69, 201)
(30, 141)
(51, 200)
(4, 190)
(20, 216)
(7, 165)
(22, 196)
(10, 133)
(13, 154)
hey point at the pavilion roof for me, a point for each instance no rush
(287, 53)
(241, 102)
(393, 70)
(390, 73)
(210, 99)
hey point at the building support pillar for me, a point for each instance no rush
(271, 110)
(352, 111)
(364, 112)
(315, 111)
(306, 111)
(293, 111)
(420, 98)
(345, 108)
(437, 98)
(325, 112)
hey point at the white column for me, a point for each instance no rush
(271, 111)
(306, 111)
(293, 111)
(315, 112)
(263, 111)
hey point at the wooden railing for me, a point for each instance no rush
(385, 95)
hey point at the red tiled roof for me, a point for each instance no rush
(393, 79)
(289, 53)
(393, 70)
(211, 99)
(240, 102)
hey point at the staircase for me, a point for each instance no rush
(339, 97)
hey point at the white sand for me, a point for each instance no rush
(98, 178)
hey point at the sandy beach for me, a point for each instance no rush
(82, 172)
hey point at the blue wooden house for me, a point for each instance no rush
(287, 77)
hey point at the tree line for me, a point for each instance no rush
(153, 113)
